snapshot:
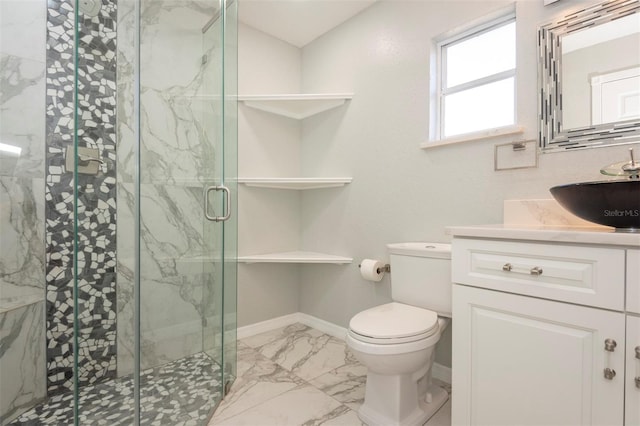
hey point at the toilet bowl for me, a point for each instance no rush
(396, 342)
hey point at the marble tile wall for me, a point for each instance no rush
(22, 359)
(22, 128)
(178, 160)
(177, 157)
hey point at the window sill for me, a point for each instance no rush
(467, 137)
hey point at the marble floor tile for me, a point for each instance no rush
(302, 350)
(350, 418)
(346, 384)
(278, 334)
(442, 417)
(304, 405)
(297, 375)
(259, 380)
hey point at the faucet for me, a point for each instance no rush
(632, 168)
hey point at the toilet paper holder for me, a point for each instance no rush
(386, 268)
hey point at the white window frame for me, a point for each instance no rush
(484, 25)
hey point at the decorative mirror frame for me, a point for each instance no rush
(552, 136)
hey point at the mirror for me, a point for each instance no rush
(589, 77)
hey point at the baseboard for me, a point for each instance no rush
(324, 326)
(285, 320)
(441, 372)
(268, 325)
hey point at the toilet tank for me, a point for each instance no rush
(421, 275)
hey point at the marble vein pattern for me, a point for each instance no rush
(276, 384)
(539, 212)
(182, 392)
(22, 363)
(22, 128)
(177, 156)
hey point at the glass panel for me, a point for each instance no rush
(68, 153)
(230, 178)
(482, 55)
(484, 107)
(23, 375)
(103, 381)
(181, 273)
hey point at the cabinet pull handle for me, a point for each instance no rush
(637, 378)
(536, 270)
(609, 346)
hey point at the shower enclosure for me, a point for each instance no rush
(118, 167)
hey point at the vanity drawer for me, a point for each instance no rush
(633, 281)
(591, 276)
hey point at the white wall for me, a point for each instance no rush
(580, 65)
(400, 192)
(269, 145)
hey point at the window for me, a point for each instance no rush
(477, 70)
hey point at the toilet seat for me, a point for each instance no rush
(393, 323)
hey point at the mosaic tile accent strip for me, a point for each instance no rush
(96, 198)
(183, 392)
(551, 128)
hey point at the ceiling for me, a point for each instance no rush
(298, 22)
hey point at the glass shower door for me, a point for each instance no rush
(117, 141)
(186, 163)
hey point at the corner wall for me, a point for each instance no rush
(399, 191)
(269, 145)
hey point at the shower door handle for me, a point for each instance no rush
(227, 202)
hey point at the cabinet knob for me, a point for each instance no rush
(609, 373)
(536, 270)
(638, 352)
(507, 267)
(610, 345)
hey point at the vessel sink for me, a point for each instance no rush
(613, 203)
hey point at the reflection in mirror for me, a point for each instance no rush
(590, 77)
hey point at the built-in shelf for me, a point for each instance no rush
(295, 257)
(295, 183)
(296, 106)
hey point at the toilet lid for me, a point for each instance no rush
(394, 320)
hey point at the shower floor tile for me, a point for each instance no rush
(297, 375)
(177, 393)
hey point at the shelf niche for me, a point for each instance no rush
(296, 257)
(297, 107)
(295, 183)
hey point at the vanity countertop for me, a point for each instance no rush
(565, 234)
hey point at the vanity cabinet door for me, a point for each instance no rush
(518, 360)
(633, 281)
(632, 404)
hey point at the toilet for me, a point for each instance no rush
(396, 341)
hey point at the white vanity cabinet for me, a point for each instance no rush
(543, 333)
(632, 390)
